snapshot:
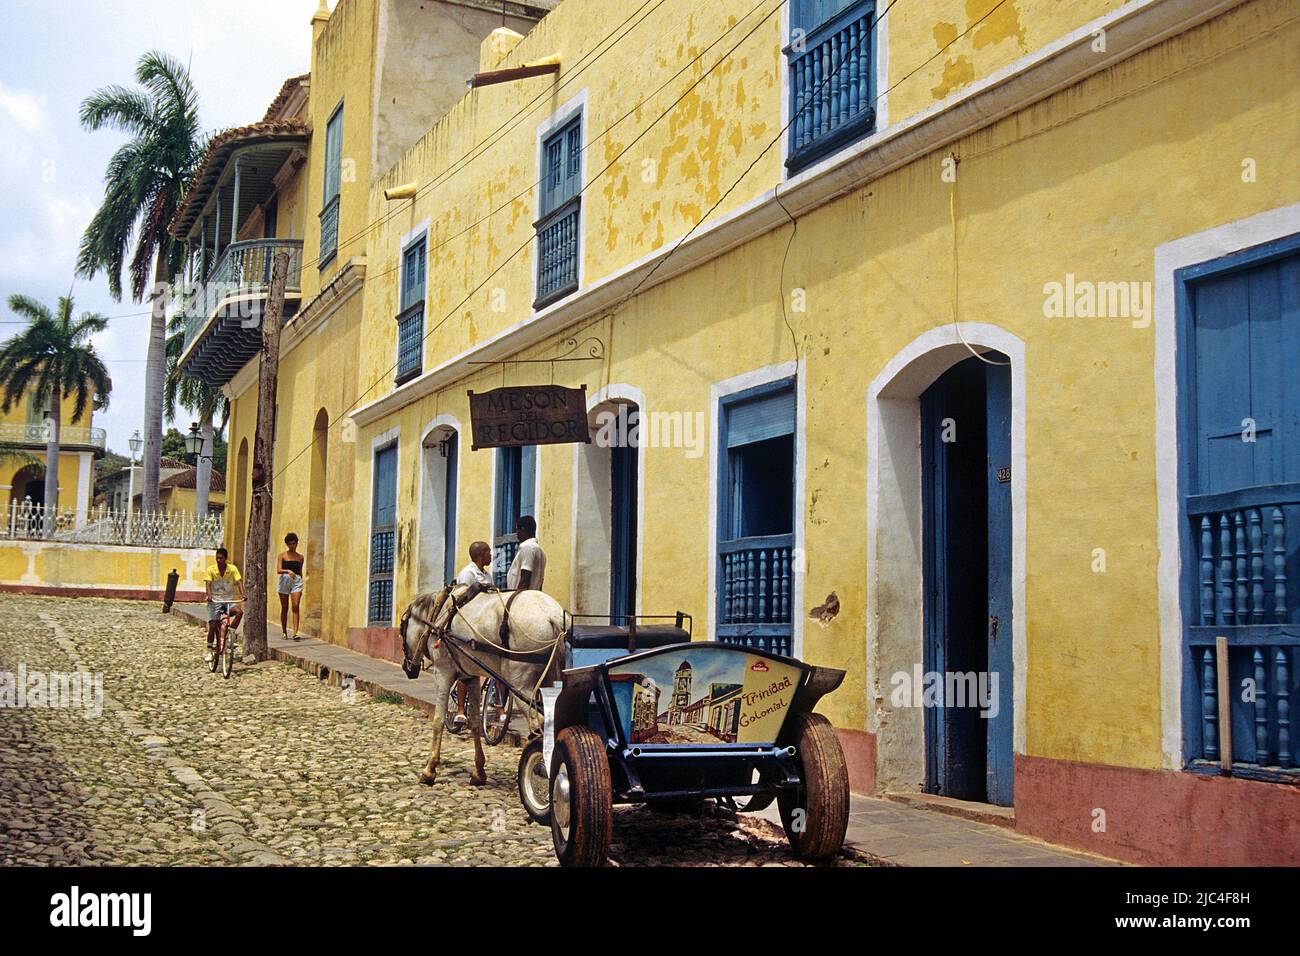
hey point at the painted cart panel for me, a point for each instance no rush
(704, 694)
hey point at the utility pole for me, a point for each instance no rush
(259, 516)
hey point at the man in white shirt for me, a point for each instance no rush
(480, 556)
(528, 569)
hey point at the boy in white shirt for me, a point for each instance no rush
(480, 556)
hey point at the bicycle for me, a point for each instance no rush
(223, 650)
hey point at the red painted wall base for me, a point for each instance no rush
(1158, 817)
(381, 642)
(860, 754)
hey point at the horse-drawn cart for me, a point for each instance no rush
(644, 714)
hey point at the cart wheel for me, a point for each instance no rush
(816, 814)
(534, 785)
(582, 812)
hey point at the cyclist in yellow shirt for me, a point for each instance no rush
(225, 591)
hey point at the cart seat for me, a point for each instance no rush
(596, 643)
(610, 637)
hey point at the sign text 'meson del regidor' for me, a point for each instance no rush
(529, 415)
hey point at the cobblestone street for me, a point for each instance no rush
(269, 767)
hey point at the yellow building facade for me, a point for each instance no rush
(812, 248)
(22, 469)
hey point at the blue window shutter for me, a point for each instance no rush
(808, 15)
(527, 479)
(562, 166)
(333, 154)
(413, 273)
(505, 484)
(761, 418)
(385, 494)
(1247, 346)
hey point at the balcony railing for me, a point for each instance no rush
(410, 343)
(1247, 548)
(757, 592)
(38, 433)
(557, 252)
(329, 233)
(242, 273)
(831, 100)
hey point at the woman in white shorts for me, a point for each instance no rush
(289, 586)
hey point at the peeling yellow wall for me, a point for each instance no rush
(1089, 181)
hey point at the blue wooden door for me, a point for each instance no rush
(451, 447)
(999, 768)
(623, 532)
(966, 450)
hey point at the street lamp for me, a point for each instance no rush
(136, 443)
(194, 443)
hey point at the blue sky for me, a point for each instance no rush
(55, 52)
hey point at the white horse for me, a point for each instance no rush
(536, 626)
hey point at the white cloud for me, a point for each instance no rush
(27, 110)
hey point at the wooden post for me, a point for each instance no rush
(257, 548)
(1225, 704)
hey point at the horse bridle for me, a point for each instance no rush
(411, 667)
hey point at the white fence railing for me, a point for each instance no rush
(27, 521)
(38, 433)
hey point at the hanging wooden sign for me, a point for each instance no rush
(529, 415)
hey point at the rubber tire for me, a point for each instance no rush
(823, 793)
(581, 753)
(532, 752)
(494, 731)
(228, 656)
(215, 662)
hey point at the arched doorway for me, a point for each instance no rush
(315, 545)
(28, 482)
(946, 563)
(238, 529)
(438, 558)
(607, 505)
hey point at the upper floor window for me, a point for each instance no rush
(410, 320)
(329, 217)
(832, 76)
(558, 238)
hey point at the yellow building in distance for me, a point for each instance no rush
(23, 432)
(931, 324)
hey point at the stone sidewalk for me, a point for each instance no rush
(884, 831)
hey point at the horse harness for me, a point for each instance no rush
(461, 646)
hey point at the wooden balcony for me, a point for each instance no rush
(832, 83)
(223, 315)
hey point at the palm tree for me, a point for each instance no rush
(193, 395)
(54, 359)
(143, 187)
